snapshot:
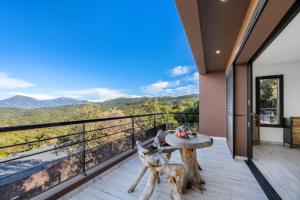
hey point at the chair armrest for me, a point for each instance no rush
(168, 149)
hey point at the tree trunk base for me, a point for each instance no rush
(193, 178)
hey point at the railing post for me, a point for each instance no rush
(154, 125)
(83, 152)
(165, 122)
(132, 132)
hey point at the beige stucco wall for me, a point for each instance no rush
(212, 103)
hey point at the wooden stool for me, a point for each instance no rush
(159, 145)
(175, 173)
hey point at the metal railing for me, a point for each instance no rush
(269, 116)
(63, 150)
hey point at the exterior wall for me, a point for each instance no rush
(240, 114)
(291, 82)
(212, 104)
(272, 14)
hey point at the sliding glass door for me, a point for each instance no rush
(230, 109)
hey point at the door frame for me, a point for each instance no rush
(265, 185)
(249, 111)
(284, 22)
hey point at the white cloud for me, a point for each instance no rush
(182, 90)
(90, 94)
(134, 96)
(7, 82)
(164, 88)
(180, 70)
(94, 94)
(159, 86)
(36, 96)
(193, 77)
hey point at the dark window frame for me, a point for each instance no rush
(280, 96)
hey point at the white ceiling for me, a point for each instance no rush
(285, 48)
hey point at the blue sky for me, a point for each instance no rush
(93, 49)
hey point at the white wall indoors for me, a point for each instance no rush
(291, 79)
(282, 57)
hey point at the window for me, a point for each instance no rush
(269, 100)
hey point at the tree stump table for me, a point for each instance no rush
(188, 153)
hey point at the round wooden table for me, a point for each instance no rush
(189, 157)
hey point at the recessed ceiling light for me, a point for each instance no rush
(218, 51)
(223, 0)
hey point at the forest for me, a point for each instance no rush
(112, 108)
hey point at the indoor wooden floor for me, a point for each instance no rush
(225, 178)
(281, 167)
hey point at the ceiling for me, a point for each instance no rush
(220, 25)
(285, 48)
(212, 25)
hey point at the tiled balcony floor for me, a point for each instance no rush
(280, 166)
(225, 178)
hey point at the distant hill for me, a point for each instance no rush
(123, 102)
(20, 101)
(25, 102)
(14, 115)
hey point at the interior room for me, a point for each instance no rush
(276, 112)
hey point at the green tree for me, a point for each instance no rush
(268, 93)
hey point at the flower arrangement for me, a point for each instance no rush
(181, 132)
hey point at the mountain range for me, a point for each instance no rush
(20, 101)
(26, 102)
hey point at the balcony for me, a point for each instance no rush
(96, 159)
(225, 178)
